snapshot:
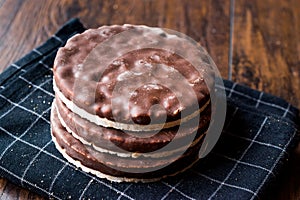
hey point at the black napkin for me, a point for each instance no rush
(260, 132)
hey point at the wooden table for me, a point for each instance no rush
(259, 41)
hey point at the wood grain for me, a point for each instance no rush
(267, 48)
(266, 56)
(9, 191)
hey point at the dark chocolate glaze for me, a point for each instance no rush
(118, 140)
(112, 164)
(127, 89)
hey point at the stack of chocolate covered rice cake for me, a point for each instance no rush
(133, 119)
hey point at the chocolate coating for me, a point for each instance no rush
(140, 86)
(113, 165)
(114, 139)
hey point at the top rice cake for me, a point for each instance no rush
(100, 77)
